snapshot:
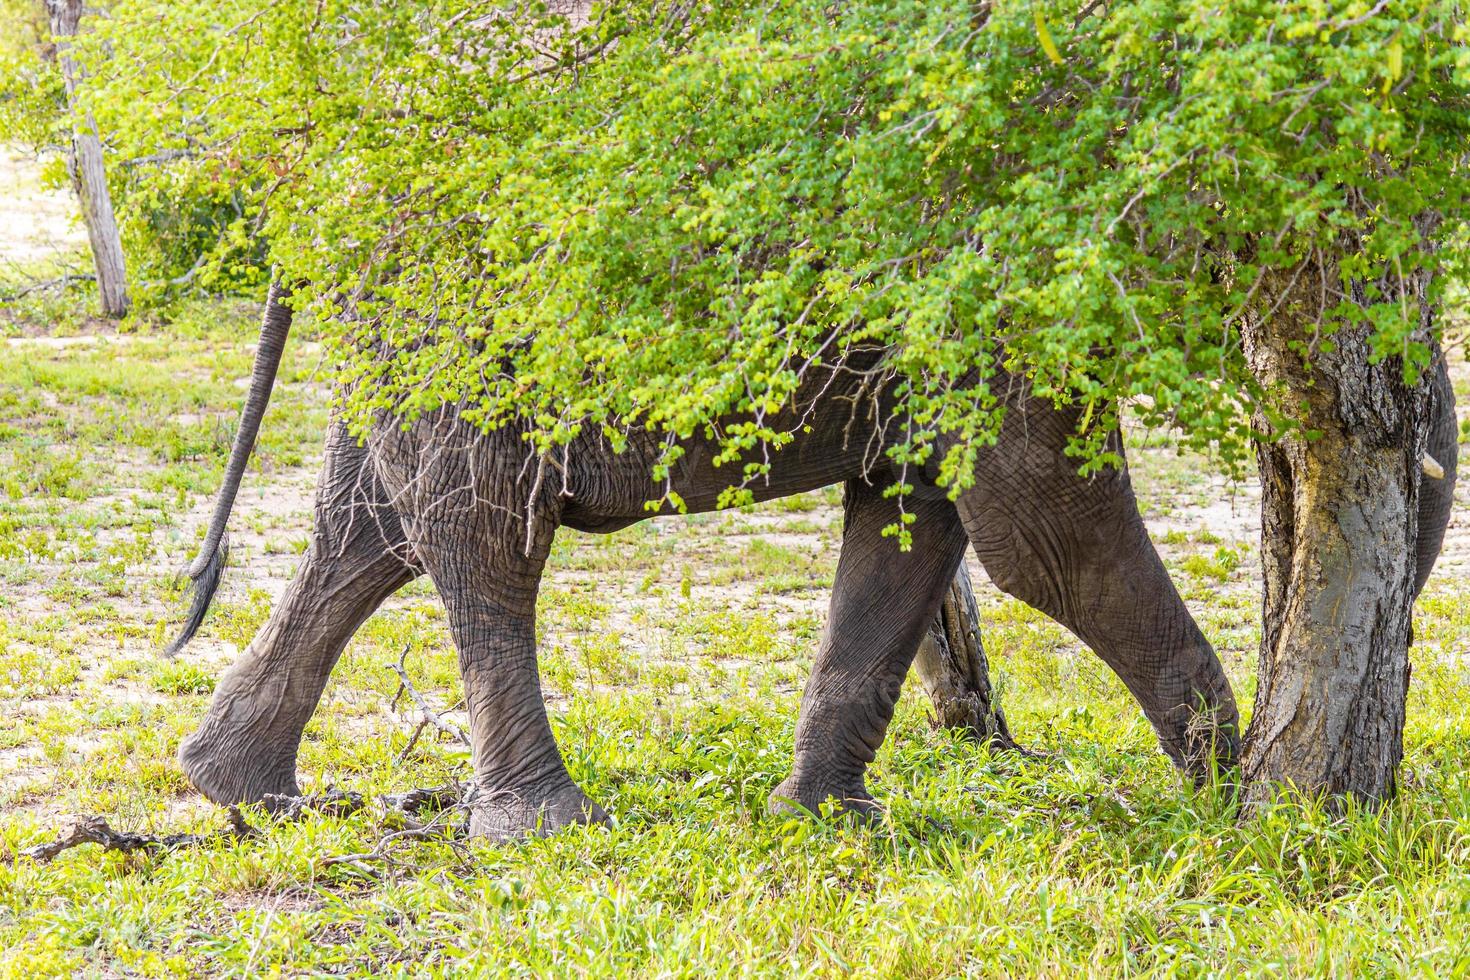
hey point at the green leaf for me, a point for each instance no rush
(1044, 36)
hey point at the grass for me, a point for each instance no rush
(673, 655)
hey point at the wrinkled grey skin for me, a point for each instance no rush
(471, 511)
(1437, 496)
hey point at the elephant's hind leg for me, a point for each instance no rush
(882, 602)
(466, 498)
(1076, 548)
(246, 746)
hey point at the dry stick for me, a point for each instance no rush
(94, 830)
(418, 730)
(406, 807)
(333, 803)
(412, 741)
(445, 800)
(59, 281)
(426, 713)
(433, 800)
(433, 831)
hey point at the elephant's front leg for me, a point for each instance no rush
(465, 511)
(882, 602)
(246, 745)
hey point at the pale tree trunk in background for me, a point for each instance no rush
(952, 667)
(1339, 526)
(88, 175)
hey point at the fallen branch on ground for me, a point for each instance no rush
(400, 810)
(419, 801)
(95, 830)
(333, 803)
(442, 802)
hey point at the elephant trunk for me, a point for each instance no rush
(1437, 491)
(204, 574)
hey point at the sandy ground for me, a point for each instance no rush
(37, 226)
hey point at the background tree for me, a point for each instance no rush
(179, 216)
(87, 169)
(664, 214)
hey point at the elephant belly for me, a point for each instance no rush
(833, 442)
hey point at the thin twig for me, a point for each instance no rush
(437, 830)
(59, 282)
(426, 713)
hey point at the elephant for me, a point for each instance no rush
(475, 512)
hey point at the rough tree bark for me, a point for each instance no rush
(85, 164)
(1339, 525)
(952, 667)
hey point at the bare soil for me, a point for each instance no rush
(38, 226)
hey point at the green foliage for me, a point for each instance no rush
(183, 225)
(665, 215)
(31, 96)
(178, 222)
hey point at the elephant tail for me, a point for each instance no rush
(205, 572)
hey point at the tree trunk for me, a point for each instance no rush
(951, 664)
(1339, 527)
(84, 163)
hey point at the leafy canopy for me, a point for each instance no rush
(664, 213)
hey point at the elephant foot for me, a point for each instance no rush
(1209, 756)
(806, 797)
(1204, 746)
(500, 814)
(230, 770)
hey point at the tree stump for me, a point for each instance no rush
(951, 665)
